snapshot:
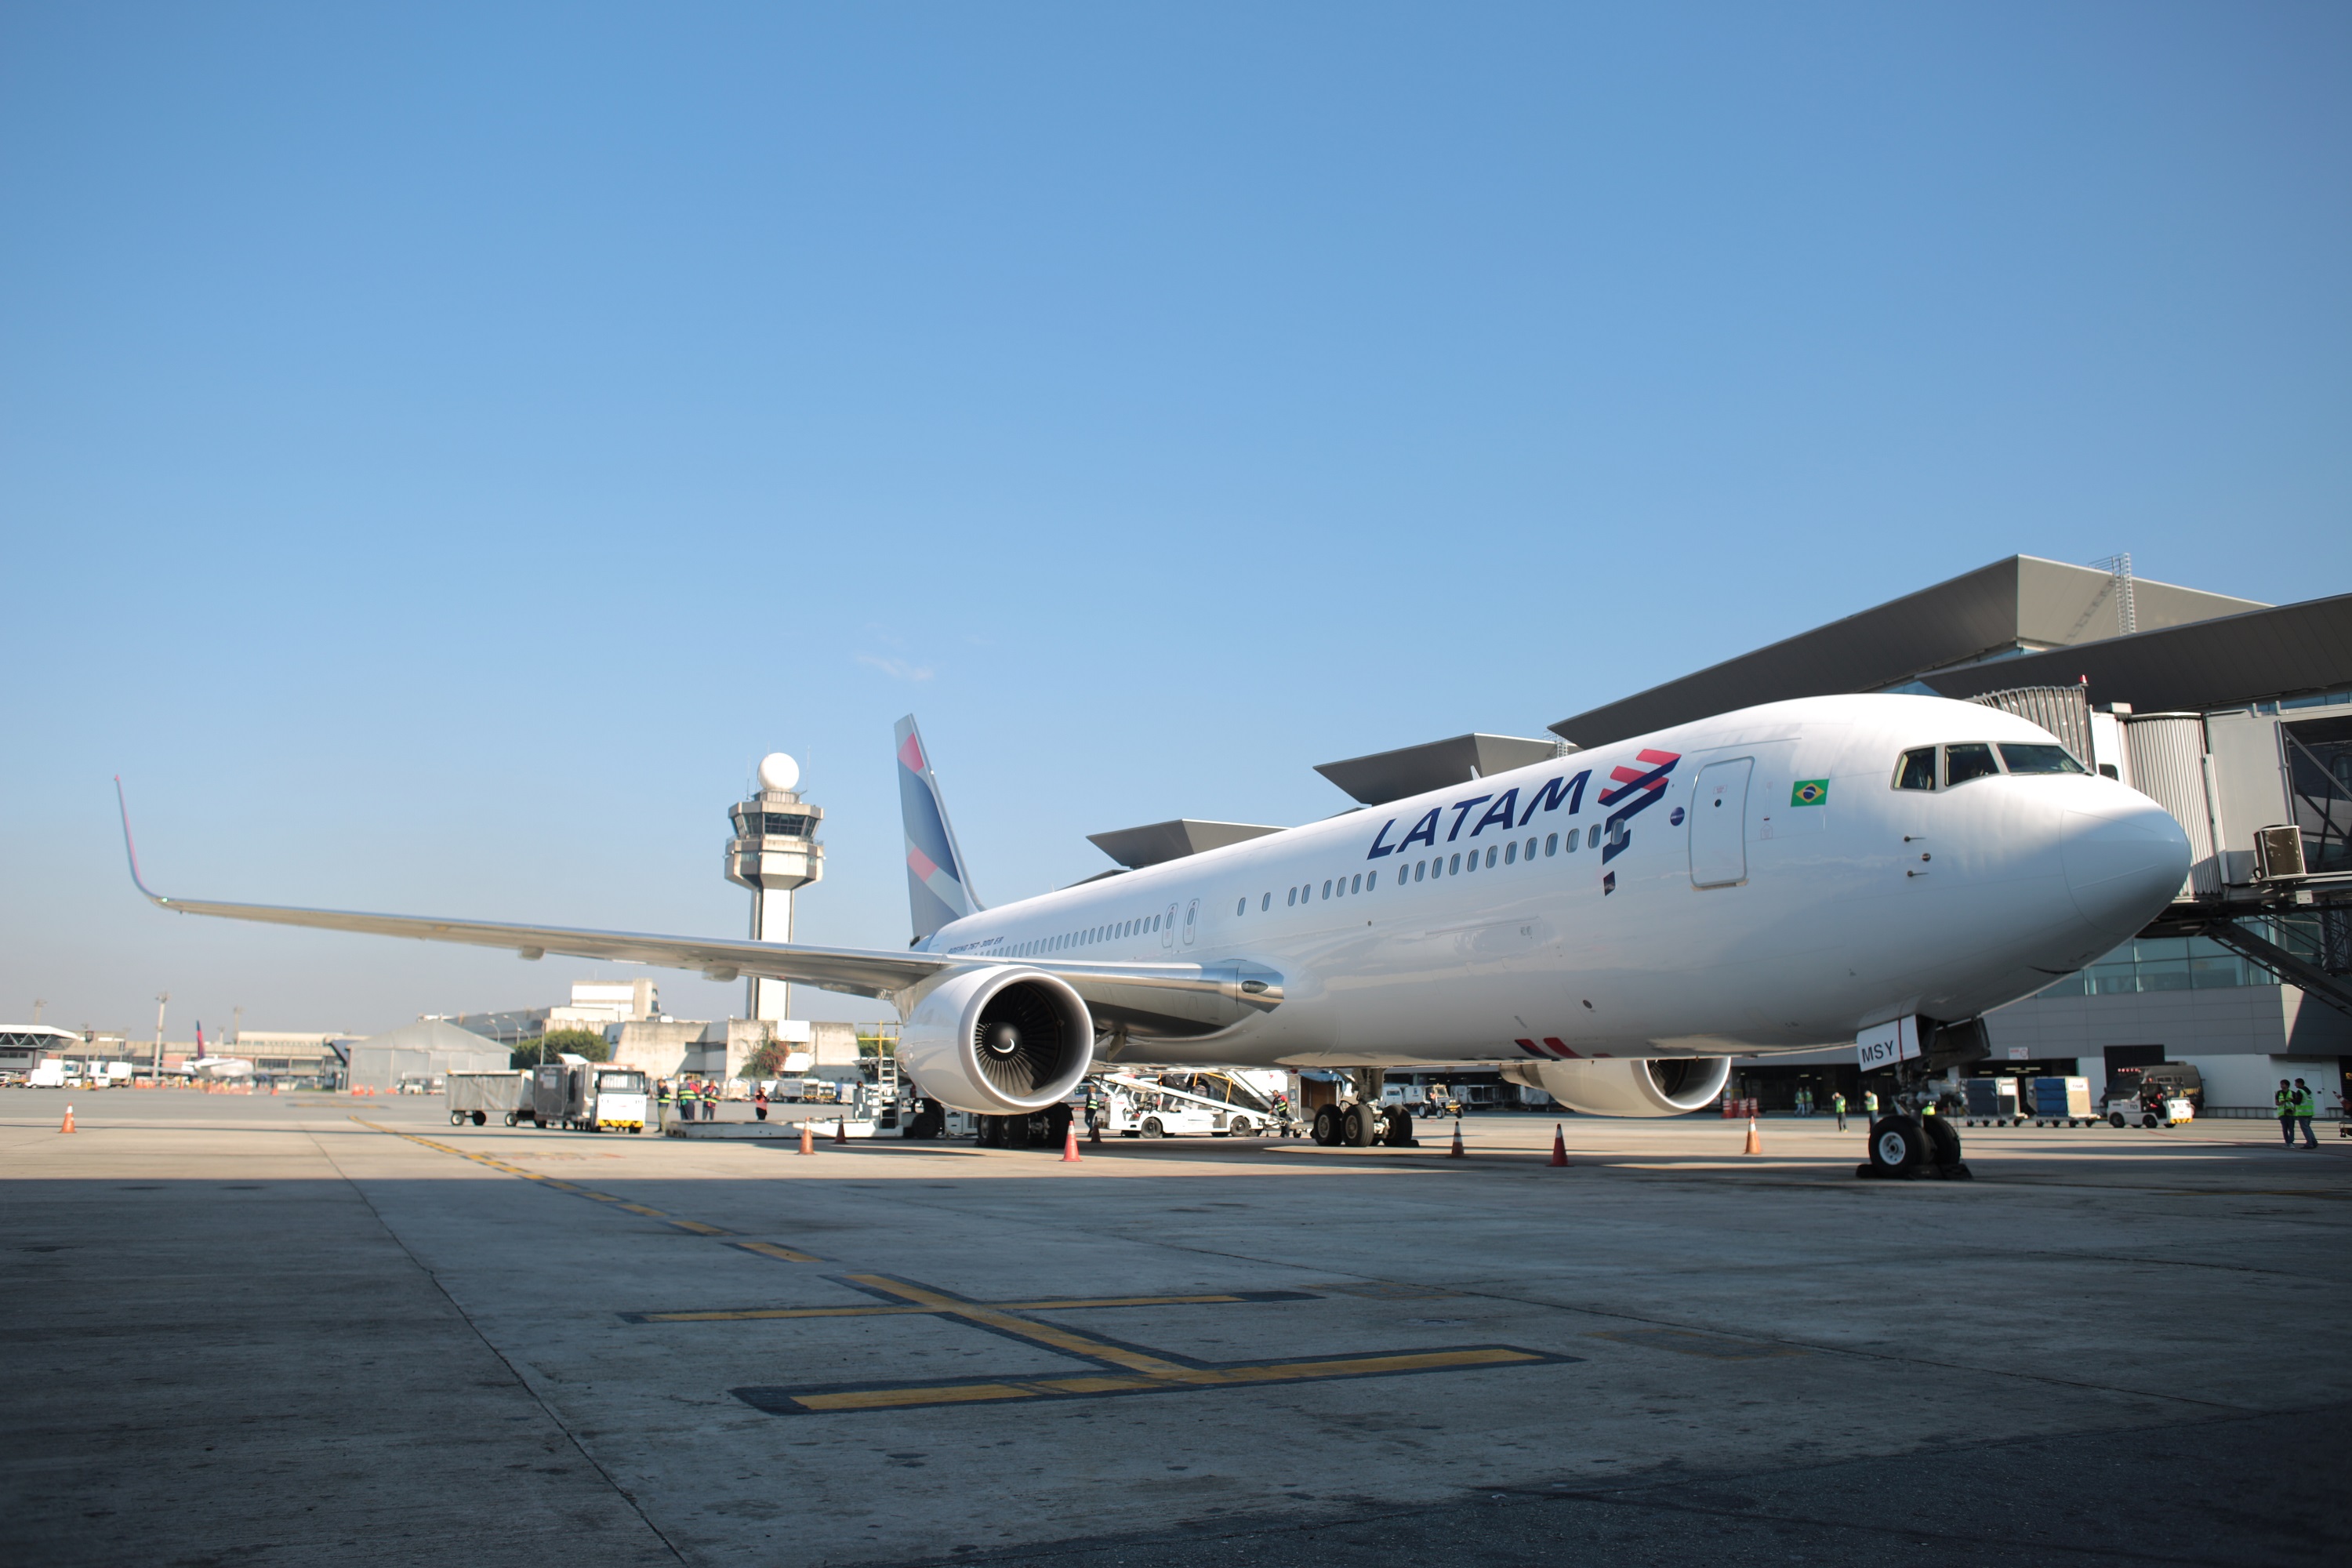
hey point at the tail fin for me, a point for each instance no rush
(938, 889)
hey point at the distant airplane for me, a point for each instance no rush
(202, 1065)
(1876, 871)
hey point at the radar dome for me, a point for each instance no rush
(778, 772)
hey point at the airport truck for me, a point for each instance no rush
(581, 1095)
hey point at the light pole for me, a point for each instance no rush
(38, 1003)
(160, 1003)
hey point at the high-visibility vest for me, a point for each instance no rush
(2304, 1103)
(2285, 1099)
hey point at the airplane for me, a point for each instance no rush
(1610, 926)
(202, 1066)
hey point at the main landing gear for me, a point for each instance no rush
(1362, 1121)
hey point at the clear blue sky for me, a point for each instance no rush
(442, 447)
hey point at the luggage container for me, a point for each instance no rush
(476, 1097)
(1992, 1102)
(2063, 1102)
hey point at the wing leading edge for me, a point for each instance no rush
(1169, 998)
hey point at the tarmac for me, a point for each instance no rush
(305, 1327)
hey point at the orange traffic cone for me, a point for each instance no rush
(1754, 1143)
(1070, 1145)
(1559, 1146)
(841, 1130)
(68, 1126)
(808, 1138)
(1456, 1152)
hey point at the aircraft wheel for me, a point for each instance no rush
(1151, 1128)
(1898, 1147)
(1943, 1141)
(1327, 1125)
(1356, 1127)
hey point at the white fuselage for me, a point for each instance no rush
(1722, 912)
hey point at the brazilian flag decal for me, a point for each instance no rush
(1810, 792)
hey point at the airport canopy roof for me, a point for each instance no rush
(1150, 845)
(1384, 776)
(2264, 654)
(2024, 604)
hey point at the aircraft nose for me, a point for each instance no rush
(2124, 863)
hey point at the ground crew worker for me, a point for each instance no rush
(1837, 1103)
(689, 1095)
(663, 1094)
(1094, 1108)
(2307, 1106)
(2284, 1101)
(1870, 1103)
(760, 1101)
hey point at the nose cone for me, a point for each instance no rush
(2125, 862)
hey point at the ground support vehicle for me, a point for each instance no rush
(581, 1095)
(1140, 1108)
(2063, 1102)
(2152, 1109)
(476, 1097)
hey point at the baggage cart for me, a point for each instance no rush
(476, 1097)
(2063, 1102)
(1992, 1102)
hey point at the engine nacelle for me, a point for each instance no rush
(998, 1041)
(1649, 1085)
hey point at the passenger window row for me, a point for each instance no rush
(1117, 930)
(1454, 865)
(1976, 759)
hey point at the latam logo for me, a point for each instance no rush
(1632, 790)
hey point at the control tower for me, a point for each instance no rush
(774, 850)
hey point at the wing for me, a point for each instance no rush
(1153, 999)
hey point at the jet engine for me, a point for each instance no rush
(1652, 1086)
(998, 1041)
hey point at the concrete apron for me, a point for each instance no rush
(262, 1323)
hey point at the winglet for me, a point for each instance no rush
(131, 850)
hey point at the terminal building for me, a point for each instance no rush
(2235, 716)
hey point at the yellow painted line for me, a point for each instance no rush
(1079, 1303)
(699, 1228)
(1099, 1383)
(1065, 1304)
(749, 1313)
(768, 1249)
(884, 1398)
(1051, 1335)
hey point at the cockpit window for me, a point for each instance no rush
(1917, 770)
(1972, 759)
(2038, 759)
